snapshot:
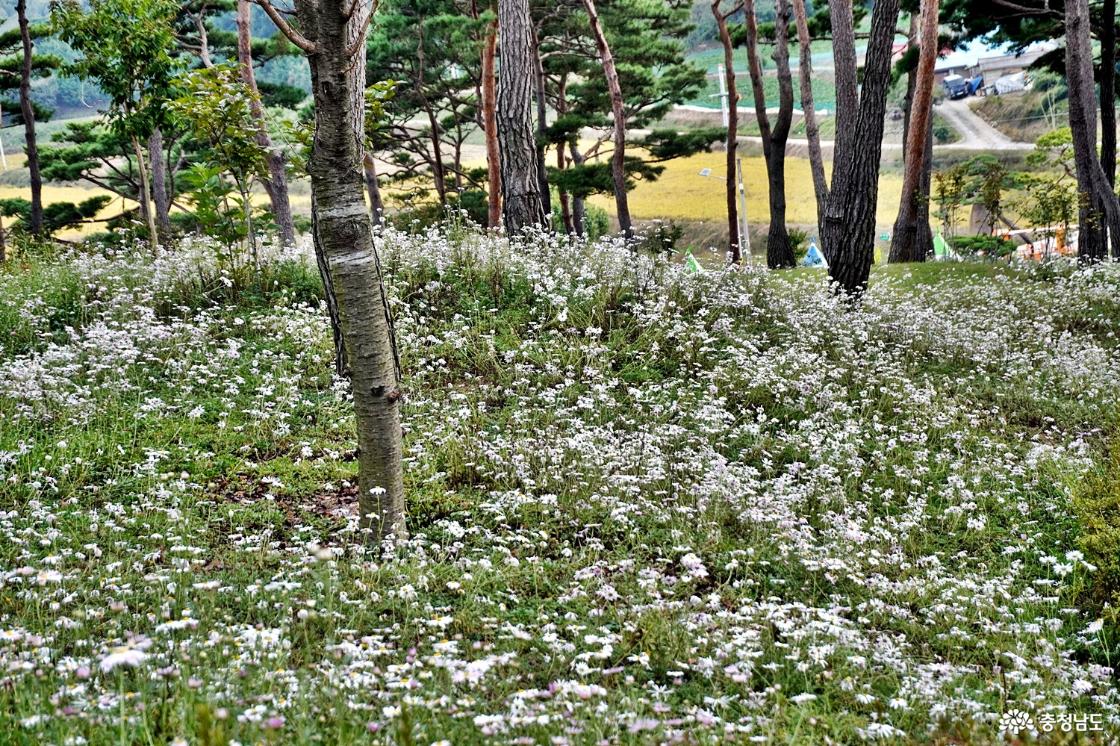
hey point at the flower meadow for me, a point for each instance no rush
(645, 506)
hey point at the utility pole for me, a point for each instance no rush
(744, 232)
(721, 76)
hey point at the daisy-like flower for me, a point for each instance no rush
(122, 656)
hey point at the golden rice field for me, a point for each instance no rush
(682, 193)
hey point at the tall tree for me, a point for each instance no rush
(646, 41)
(433, 50)
(906, 244)
(1099, 209)
(522, 201)
(779, 251)
(1108, 90)
(732, 143)
(332, 33)
(848, 234)
(276, 185)
(489, 91)
(809, 113)
(618, 117)
(28, 113)
(126, 46)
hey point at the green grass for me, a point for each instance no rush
(583, 429)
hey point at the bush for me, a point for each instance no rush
(799, 243)
(992, 246)
(1097, 506)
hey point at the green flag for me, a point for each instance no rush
(940, 247)
(690, 263)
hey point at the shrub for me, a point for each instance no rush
(993, 246)
(1097, 506)
(799, 242)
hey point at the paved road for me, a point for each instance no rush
(976, 134)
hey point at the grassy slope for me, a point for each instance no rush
(643, 504)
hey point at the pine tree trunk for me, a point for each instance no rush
(490, 127)
(542, 126)
(1099, 213)
(847, 85)
(32, 147)
(1108, 91)
(522, 202)
(345, 236)
(277, 183)
(808, 107)
(905, 244)
(732, 190)
(161, 198)
(779, 252)
(618, 114)
(848, 237)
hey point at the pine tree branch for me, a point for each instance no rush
(360, 39)
(285, 28)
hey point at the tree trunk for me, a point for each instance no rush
(376, 204)
(277, 183)
(344, 232)
(490, 127)
(1099, 214)
(161, 197)
(144, 198)
(203, 40)
(847, 85)
(1108, 90)
(565, 198)
(542, 126)
(734, 239)
(905, 244)
(779, 252)
(618, 114)
(522, 203)
(28, 112)
(579, 204)
(848, 237)
(3, 242)
(808, 108)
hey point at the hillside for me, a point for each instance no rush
(645, 506)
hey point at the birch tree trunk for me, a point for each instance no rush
(522, 202)
(732, 191)
(848, 235)
(906, 245)
(28, 112)
(618, 114)
(343, 232)
(277, 183)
